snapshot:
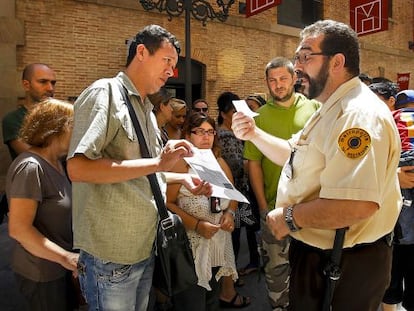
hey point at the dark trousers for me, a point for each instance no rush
(402, 277)
(251, 243)
(365, 276)
(55, 295)
(198, 298)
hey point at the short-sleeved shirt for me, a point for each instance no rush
(281, 122)
(349, 150)
(31, 177)
(12, 123)
(115, 222)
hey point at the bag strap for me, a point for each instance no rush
(332, 270)
(165, 219)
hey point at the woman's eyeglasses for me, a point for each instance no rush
(202, 132)
(205, 109)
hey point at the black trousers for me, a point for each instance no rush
(402, 277)
(48, 296)
(365, 276)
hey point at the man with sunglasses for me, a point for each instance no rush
(200, 105)
(339, 172)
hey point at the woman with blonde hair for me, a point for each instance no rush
(174, 126)
(40, 200)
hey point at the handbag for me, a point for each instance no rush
(174, 269)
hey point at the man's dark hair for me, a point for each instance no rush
(152, 37)
(338, 38)
(225, 104)
(280, 62)
(385, 89)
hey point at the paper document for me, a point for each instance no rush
(205, 165)
(242, 106)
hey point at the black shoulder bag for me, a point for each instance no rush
(174, 263)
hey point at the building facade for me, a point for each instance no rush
(84, 40)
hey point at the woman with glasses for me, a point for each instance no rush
(208, 222)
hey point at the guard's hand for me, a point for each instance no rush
(207, 229)
(276, 223)
(243, 126)
(173, 151)
(405, 177)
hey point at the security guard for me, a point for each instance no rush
(339, 171)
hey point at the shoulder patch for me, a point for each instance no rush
(354, 142)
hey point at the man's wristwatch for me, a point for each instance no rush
(293, 227)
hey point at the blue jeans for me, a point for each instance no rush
(111, 286)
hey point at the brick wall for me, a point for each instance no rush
(83, 40)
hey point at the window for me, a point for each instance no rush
(299, 13)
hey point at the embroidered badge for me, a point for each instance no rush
(354, 142)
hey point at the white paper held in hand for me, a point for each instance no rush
(242, 106)
(205, 165)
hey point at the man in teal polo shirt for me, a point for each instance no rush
(284, 114)
(38, 81)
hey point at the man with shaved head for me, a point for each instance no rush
(38, 81)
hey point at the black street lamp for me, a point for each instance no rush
(200, 10)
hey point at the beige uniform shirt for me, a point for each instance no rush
(348, 150)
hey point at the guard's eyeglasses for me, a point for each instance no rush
(304, 58)
(202, 132)
(201, 109)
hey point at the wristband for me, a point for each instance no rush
(293, 227)
(230, 211)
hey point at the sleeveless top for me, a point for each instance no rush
(208, 253)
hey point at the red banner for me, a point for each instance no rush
(403, 81)
(175, 71)
(254, 7)
(368, 16)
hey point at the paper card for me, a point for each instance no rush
(242, 106)
(205, 165)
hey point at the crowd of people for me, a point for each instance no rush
(83, 213)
